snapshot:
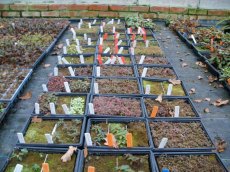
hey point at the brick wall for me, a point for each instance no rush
(93, 10)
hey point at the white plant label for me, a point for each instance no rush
(120, 50)
(120, 60)
(71, 71)
(108, 61)
(96, 89)
(55, 71)
(59, 60)
(67, 42)
(119, 43)
(139, 30)
(21, 138)
(89, 41)
(44, 87)
(101, 41)
(113, 60)
(78, 50)
(134, 43)
(89, 24)
(144, 72)
(101, 28)
(54, 129)
(177, 111)
(37, 108)
(52, 108)
(82, 60)
(77, 42)
(73, 32)
(79, 25)
(88, 139)
(64, 60)
(132, 51)
(193, 38)
(64, 50)
(67, 88)
(91, 108)
(128, 30)
(103, 24)
(118, 35)
(98, 71)
(169, 91)
(18, 168)
(81, 21)
(65, 109)
(142, 59)
(107, 50)
(118, 21)
(147, 89)
(85, 36)
(147, 43)
(163, 143)
(49, 138)
(112, 21)
(114, 29)
(94, 21)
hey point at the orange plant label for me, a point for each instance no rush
(45, 167)
(91, 169)
(131, 30)
(99, 59)
(154, 111)
(129, 139)
(115, 41)
(133, 37)
(100, 49)
(123, 59)
(110, 139)
(115, 49)
(105, 36)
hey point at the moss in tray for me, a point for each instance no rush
(30, 160)
(116, 71)
(117, 106)
(158, 72)
(167, 107)
(67, 132)
(141, 44)
(111, 37)
(118, 86)
(82, 41)
(98, 133)
(154, 50)
(2, 107)
(117, 163)
(140, 37)
(76, 104)
(84, 49)
(111, 44)
(94, 29)
(76, 60)
(180, 134)
(189, 163)
(153, 60)
(127, 60)
(158, 88)
(78, 71)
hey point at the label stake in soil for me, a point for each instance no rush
(94, 21)
(98, 71)
(55, 71)
(101, 29)
(77, 42)
(52, 108)
(169, 91)
(44, 87)
(64, 50)
(82, 59)
(65, 109)
(91, 108)
(85, 36)
(21, 138)
(118, 21)
(59, 60)
(129, 140)
(163, 143)
(107, 50)
(73, 32)
(67, 42)
(91, 169)
(18, 168)
(147, 89)
(134, 43)
(132, 51)
(147, 43)
(193, 38)
(119, 43)
(37, 108)
(120, 60)
(177, 111)
(114, 29)
(110, 139)
(89, 41)
(142, 59)
(139, 30)
(67, 88)
(71, 71)
(144, 72)
(154, 111)
(118, 35)
(64, 60)
(45, 167)
(89, 24)
(108, 61)
(88, 139)
(49, 138)
(78, 49)
(113, 59)
(96, 88)
(54, 129)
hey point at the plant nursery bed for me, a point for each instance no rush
(87, 30)
(111, 44)
(117, 86)
(139, 37)
(166, 108)
(151, 51)
(116, 71)
(65, 131)
(76, 84)
(184, 135)
(104, 58)
(117, 161)
(112, 36)
(113, 50)
(75, 59)
(117, 106)
(76, 103)
(72, 49)
(79, 70)
(189, 162)
(98, 129)
(157, 72)
(152, 60)
(32, 159)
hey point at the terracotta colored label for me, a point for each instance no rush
(131, 30)
(115, 41)
(154, 111)
(133, 37)
(123, 59)
(129, 139)
(100, 49)
(105, 36)
(115, 49)
(115, 35)
(110, 139)
(45, 167)
(91, 169)
(99, 59)
(144, 37)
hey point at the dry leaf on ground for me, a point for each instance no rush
(46, 65)
(212, 78)
(159, 98)
(221, 144)
(174, 81)
(192, 91)
(36, 119)
(184, 64)
(197, 100)
(199, 77)
(220, 102)
(26, 96)
(206, 110)
(201, 64)
(207, 99)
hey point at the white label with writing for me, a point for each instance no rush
(89, 41)
(52, 108)
(94, 21)
(64, 60)
(147, 89)
(177, 111)
(96, 89)
(37, 108)
(134, 43)
(107, 50)
(71, 71)
(55, 71)
(54, 129)
(82, 60)
(108, 61)
(21, 138)
(18, 168)
(49, 138)
(119, 43)
(98, 71)
(144, 72)
(120, 60)
(79, 25)
(73, 32)
(193, 38)
(113, 59)
(101, 41)
(118, 21)
(88, 139)
(147, 43)
(78, 49)
(139, 30)
(120, 50)
(44, 87)
(142, 59)
(89, 24)
(101, 28)
(65, 109)
(85, 36)
(67, 89)
(59, 60)
(114, 29)
(91, 108)
(128, 30)
(64, 50)
(118, 35)
(169, 91)
(132, 51)
(77, 42)
(163, 143)
(67, 42)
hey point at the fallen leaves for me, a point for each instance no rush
(174, 81)
(201, 64)
(206, 110)
(67, 156)
(220, 144)
(36, 119)
(26, 96)
(60, 46)
(192, 91)
(46, 65)
(159, 98)
(184, 64)
(212, 78)
(198, 100)
(199, 77)
(220, 102)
